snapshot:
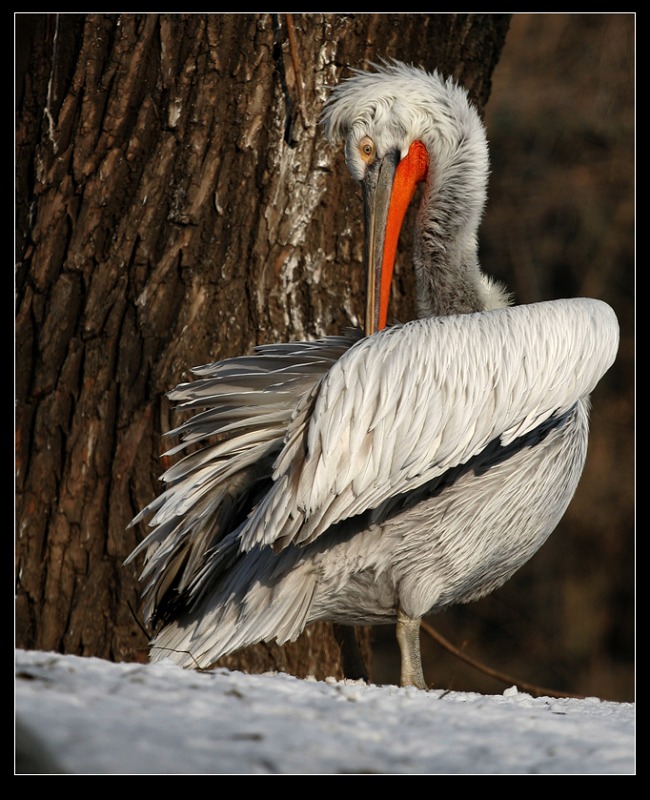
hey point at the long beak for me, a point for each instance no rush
(388, 188)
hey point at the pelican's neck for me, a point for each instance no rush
(445, 255)
(449, 279)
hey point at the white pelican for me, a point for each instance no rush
(376, 479)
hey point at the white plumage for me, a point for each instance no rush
(375, 479)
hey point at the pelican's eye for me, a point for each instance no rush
(367, 150)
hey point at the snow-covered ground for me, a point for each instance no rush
(87, 716)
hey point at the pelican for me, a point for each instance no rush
(377, 478)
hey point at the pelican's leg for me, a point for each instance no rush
(351, 661)
(408, 638)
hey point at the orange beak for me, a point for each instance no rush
(388, 189)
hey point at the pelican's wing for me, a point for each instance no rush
(407, 404)
(226, 451)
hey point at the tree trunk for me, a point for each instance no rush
(176, 204)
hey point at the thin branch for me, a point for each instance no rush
(538, 691)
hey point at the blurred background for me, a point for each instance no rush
(560, 223)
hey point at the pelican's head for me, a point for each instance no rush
(404, 126)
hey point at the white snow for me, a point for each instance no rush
(88, 716)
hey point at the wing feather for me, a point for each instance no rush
(413, 401)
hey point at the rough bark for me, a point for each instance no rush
(176, 204)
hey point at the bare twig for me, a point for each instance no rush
(538, 691)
